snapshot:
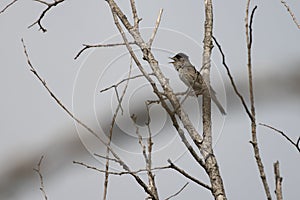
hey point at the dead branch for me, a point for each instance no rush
(155, 28)
(49, 6)
(291, 13)
(118, 173)
(178, 192)
(119, 107)
(88, 46)
(120, 161)
(38, 170)
(123, 80)
(296, 144)
(251, 93)
(7, 6)
(210, 165)
(181, 171)
(232, 81)
(278, 181)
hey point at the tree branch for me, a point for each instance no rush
(254, 141)
(7, 6)
(296, 144)
(49, 6)
(278, 181)
(232, 81)
(291, 13)
(181, 171)
(38, 170)
(88, 46)
(177, 193)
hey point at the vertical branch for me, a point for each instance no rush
(38, 170)
(278, 181)
(251, 93)
(206, 150)
(111, 131)
(151, 179)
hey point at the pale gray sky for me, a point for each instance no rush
(32, 123)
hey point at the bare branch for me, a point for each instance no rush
(120, 161)
(254, 141)
(88, 46)
(210, 165)
(123, 80)
(119, 107)
(296, 144)
(155, 28)
(38, 170)
(151, 176)
(105, 157)
(291, 13)
(181, 171)
(119, 173)
(147, 55)
(49, 6)
(7, 6)
(232, 81)
(278, 181)
(177, 193)
(135, 15)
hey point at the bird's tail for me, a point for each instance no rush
(216, 101)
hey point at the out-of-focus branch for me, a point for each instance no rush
(278, 181)
(7, 6)
(291, 13)
(296, 144)
(49, 6)
(254, 141)
(38, 170)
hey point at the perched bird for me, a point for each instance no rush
(192, 78)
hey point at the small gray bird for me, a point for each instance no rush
(192, 78)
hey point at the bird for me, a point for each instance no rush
(192, 78)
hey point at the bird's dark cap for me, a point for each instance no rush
(180, 55)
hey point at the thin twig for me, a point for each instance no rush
(232, 80)
(88, 46)
(7, 6)
(105, 157)
(181, 171)
(278, 181)
(119, 107)
(49, 6)
(155, 28)
(296, 144)
(38, 170)
(119, 173)
(254, 140)
(178, 192)
(123, 80)
(291, 13)
(151, 176)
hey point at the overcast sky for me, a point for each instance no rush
(32, 124)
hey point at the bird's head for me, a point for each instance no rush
(180, 60)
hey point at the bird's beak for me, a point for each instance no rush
(173, 59)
